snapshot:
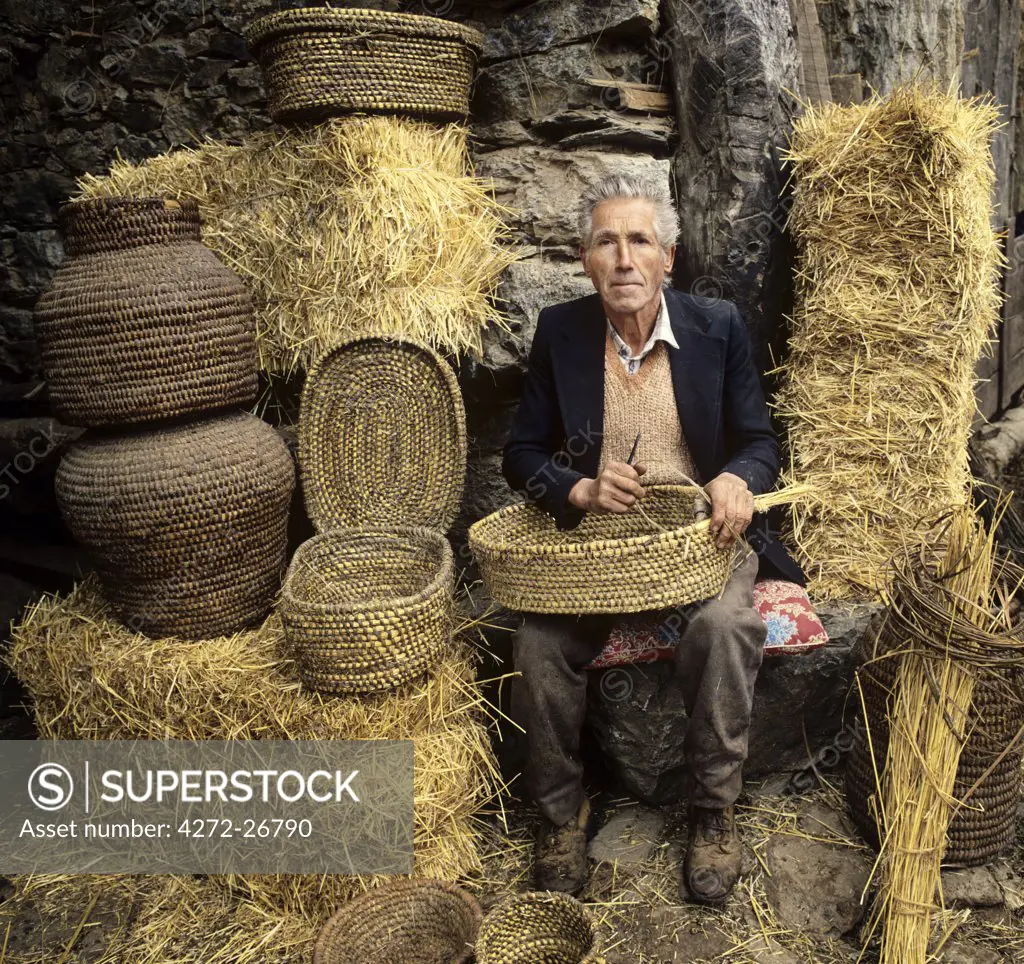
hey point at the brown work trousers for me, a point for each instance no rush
(718, 654)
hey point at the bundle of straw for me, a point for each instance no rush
(362, 225)
(896, 294)
(91, 678)
(952, 609)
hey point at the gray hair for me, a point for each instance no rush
(666, 226)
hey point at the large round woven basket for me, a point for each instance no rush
(142, 322)
(368, 609)
(318, 62)
(382, 437)
(652, 557)
(986, 824)
(186, 524)
(536, 928)
(403, 922)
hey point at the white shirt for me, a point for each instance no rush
(662, 331)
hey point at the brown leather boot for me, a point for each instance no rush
(560, 857)
(713, 857)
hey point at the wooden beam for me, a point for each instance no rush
(626, 95)
(847, 88)
(814, 85)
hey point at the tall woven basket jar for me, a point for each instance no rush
(989, 773)
(142, 322)
(186, 524)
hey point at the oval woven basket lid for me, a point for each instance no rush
(382, 437)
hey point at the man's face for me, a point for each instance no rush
(624, 260)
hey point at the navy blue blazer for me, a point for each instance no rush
(556, 436)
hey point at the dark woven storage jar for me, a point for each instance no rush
(142, 322)
(320, 62)
(403, 922)
(986, 825)
(537, 928)
(186, 524)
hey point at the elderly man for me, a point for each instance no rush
(637, 358)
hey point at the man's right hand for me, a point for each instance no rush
(616, 489)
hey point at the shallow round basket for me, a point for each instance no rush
(403, 922)
(536, 928)
(366, 610)
(320, 62)
(612, 563)
(382, 437)
(142, 323)
(186, 524)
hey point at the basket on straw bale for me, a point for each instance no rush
(652, 558)
(362, 225)
(318, 62)
(896, 296)
(142, 323)
(954, 653)
(89, 677)
(186, 523)
(367, 604)
(540, 926)
(407, 922)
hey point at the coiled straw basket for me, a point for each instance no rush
(404, 922)
(537, 928)
(368, 604)
(318, 62)
(652, 557)
(186, 524)
(142, 322)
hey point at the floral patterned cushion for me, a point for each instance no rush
(793, 627)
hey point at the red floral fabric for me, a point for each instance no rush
(793, 627)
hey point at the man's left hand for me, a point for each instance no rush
(732, 508)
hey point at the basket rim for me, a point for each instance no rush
(497, 915)
(399, 889)
(301, 20)
(325, 516)
(480, 542)
(420, 534)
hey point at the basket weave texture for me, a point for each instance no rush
(536, 928)
(404, 922)
(186, 524)
(614, 563)
(142, 322)
(320, 62)
(367, 610)
(382, 437)
(985, 826)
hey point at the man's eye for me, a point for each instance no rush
(641, 241)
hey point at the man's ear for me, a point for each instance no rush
(583, 260)
(670, 257)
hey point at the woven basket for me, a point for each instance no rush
(141, 322)
(613, 563)
(186, 524)
(382, 437)
(403, 922)
(321, 62)
(536, 928)
(368, 609)
(986, 825)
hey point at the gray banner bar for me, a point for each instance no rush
(206, 807)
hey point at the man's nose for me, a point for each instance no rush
(624, 260)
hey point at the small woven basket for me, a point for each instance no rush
(142, 323)
(404, 922)
(320, 62)
(368, 609)
(652, 557)
(986, 825)
(187, 524)
(537, 928)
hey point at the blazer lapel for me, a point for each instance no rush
(698, 371)
(578, 361)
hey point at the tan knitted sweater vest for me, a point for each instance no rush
(645, 403)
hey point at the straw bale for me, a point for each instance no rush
(896, 297)
(89, 677)
(362, 225)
